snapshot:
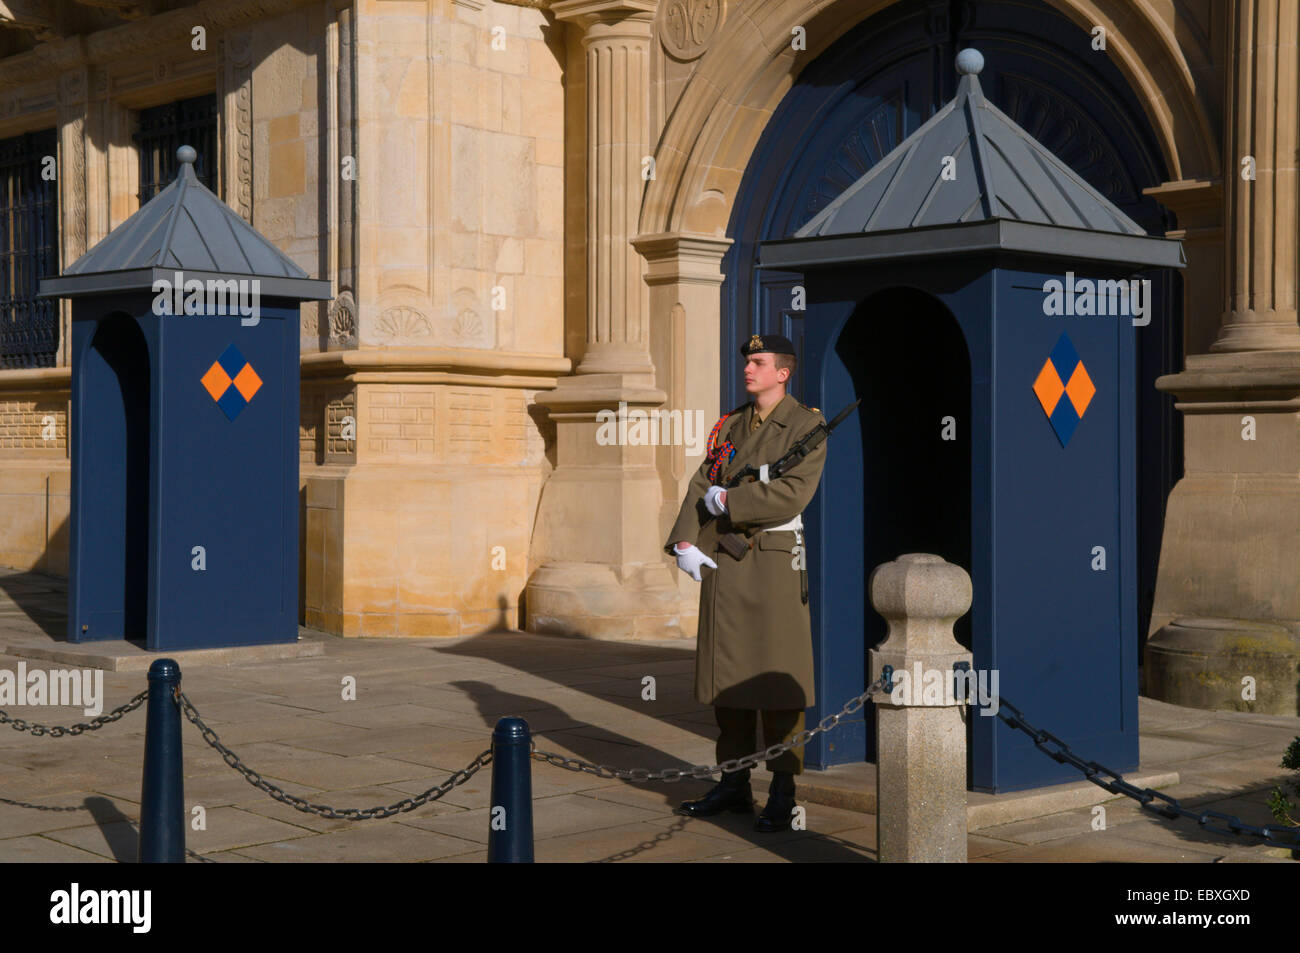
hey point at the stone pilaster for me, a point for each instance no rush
(1261, 265)
(684, 273)
(616, 583)
(235, 131)
(73, 212)
(1198, 203)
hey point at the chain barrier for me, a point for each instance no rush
(700, 771)
(1170, 809)
(58, 731)
(320, 810)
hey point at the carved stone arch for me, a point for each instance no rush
(748, 69)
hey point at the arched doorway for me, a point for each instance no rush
(858, 100)
(116, 542)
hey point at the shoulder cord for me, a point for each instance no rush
(716, 451)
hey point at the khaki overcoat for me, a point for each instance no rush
(755, 637)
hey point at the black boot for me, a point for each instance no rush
(778, 813)
(732, 794)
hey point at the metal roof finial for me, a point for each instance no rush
(970, 61)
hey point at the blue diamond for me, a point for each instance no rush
(1064, 420)
(232, 402)
(1064, 356)
(232, 362)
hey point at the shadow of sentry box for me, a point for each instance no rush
(184, 427)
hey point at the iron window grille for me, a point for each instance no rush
(29, 326)
(164, 129)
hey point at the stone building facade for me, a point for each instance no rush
(525, 208)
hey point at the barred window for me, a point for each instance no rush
(164, 129)
(29, 327)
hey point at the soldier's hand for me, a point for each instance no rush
(715, 500)
(690, 559)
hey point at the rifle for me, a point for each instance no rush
(736, 545)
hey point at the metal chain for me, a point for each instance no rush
(58, 731)
(701, 771)
(1170, 809)
(301, 804)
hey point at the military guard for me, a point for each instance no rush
(754, 649)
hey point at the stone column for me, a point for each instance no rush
(920, 743)
(616, 39)
(1262, 213)
(615, 583)
(1226, 603)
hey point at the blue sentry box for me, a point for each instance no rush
(184, 475)
(1020, 499)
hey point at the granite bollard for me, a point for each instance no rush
(920, 740)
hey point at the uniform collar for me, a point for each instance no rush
(780, 413)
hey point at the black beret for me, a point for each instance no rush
(757, 344)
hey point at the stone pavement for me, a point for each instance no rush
(426, 707)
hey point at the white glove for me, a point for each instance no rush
(690, 559)
(712, 503)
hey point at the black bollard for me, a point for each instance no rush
(162, 795)
(510, 820)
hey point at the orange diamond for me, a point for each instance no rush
(215, 381)
(248, 382)
(1048, 387)
(1080, 389)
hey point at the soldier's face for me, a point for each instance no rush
(761, 374)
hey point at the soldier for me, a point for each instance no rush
(755, 640)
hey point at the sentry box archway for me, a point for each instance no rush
(184, 427)
(958, 288)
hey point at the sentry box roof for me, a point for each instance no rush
(188, 229)
(1009, 193)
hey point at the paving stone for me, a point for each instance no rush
(387, 843)
(58, 812)
(42, 850)
(267, 806)
(628, 843)
(115, 840)
(293, 727)
(386, 717)
(1159, 749)
(350, 741)
(332, 773)
(231, 827)
(1104, 847)
(552, 817)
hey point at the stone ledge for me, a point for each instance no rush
(852, 787)
(119, 655)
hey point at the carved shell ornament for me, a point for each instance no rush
(467, 324)
(343, 321)
(686, 27)
(402, 322)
